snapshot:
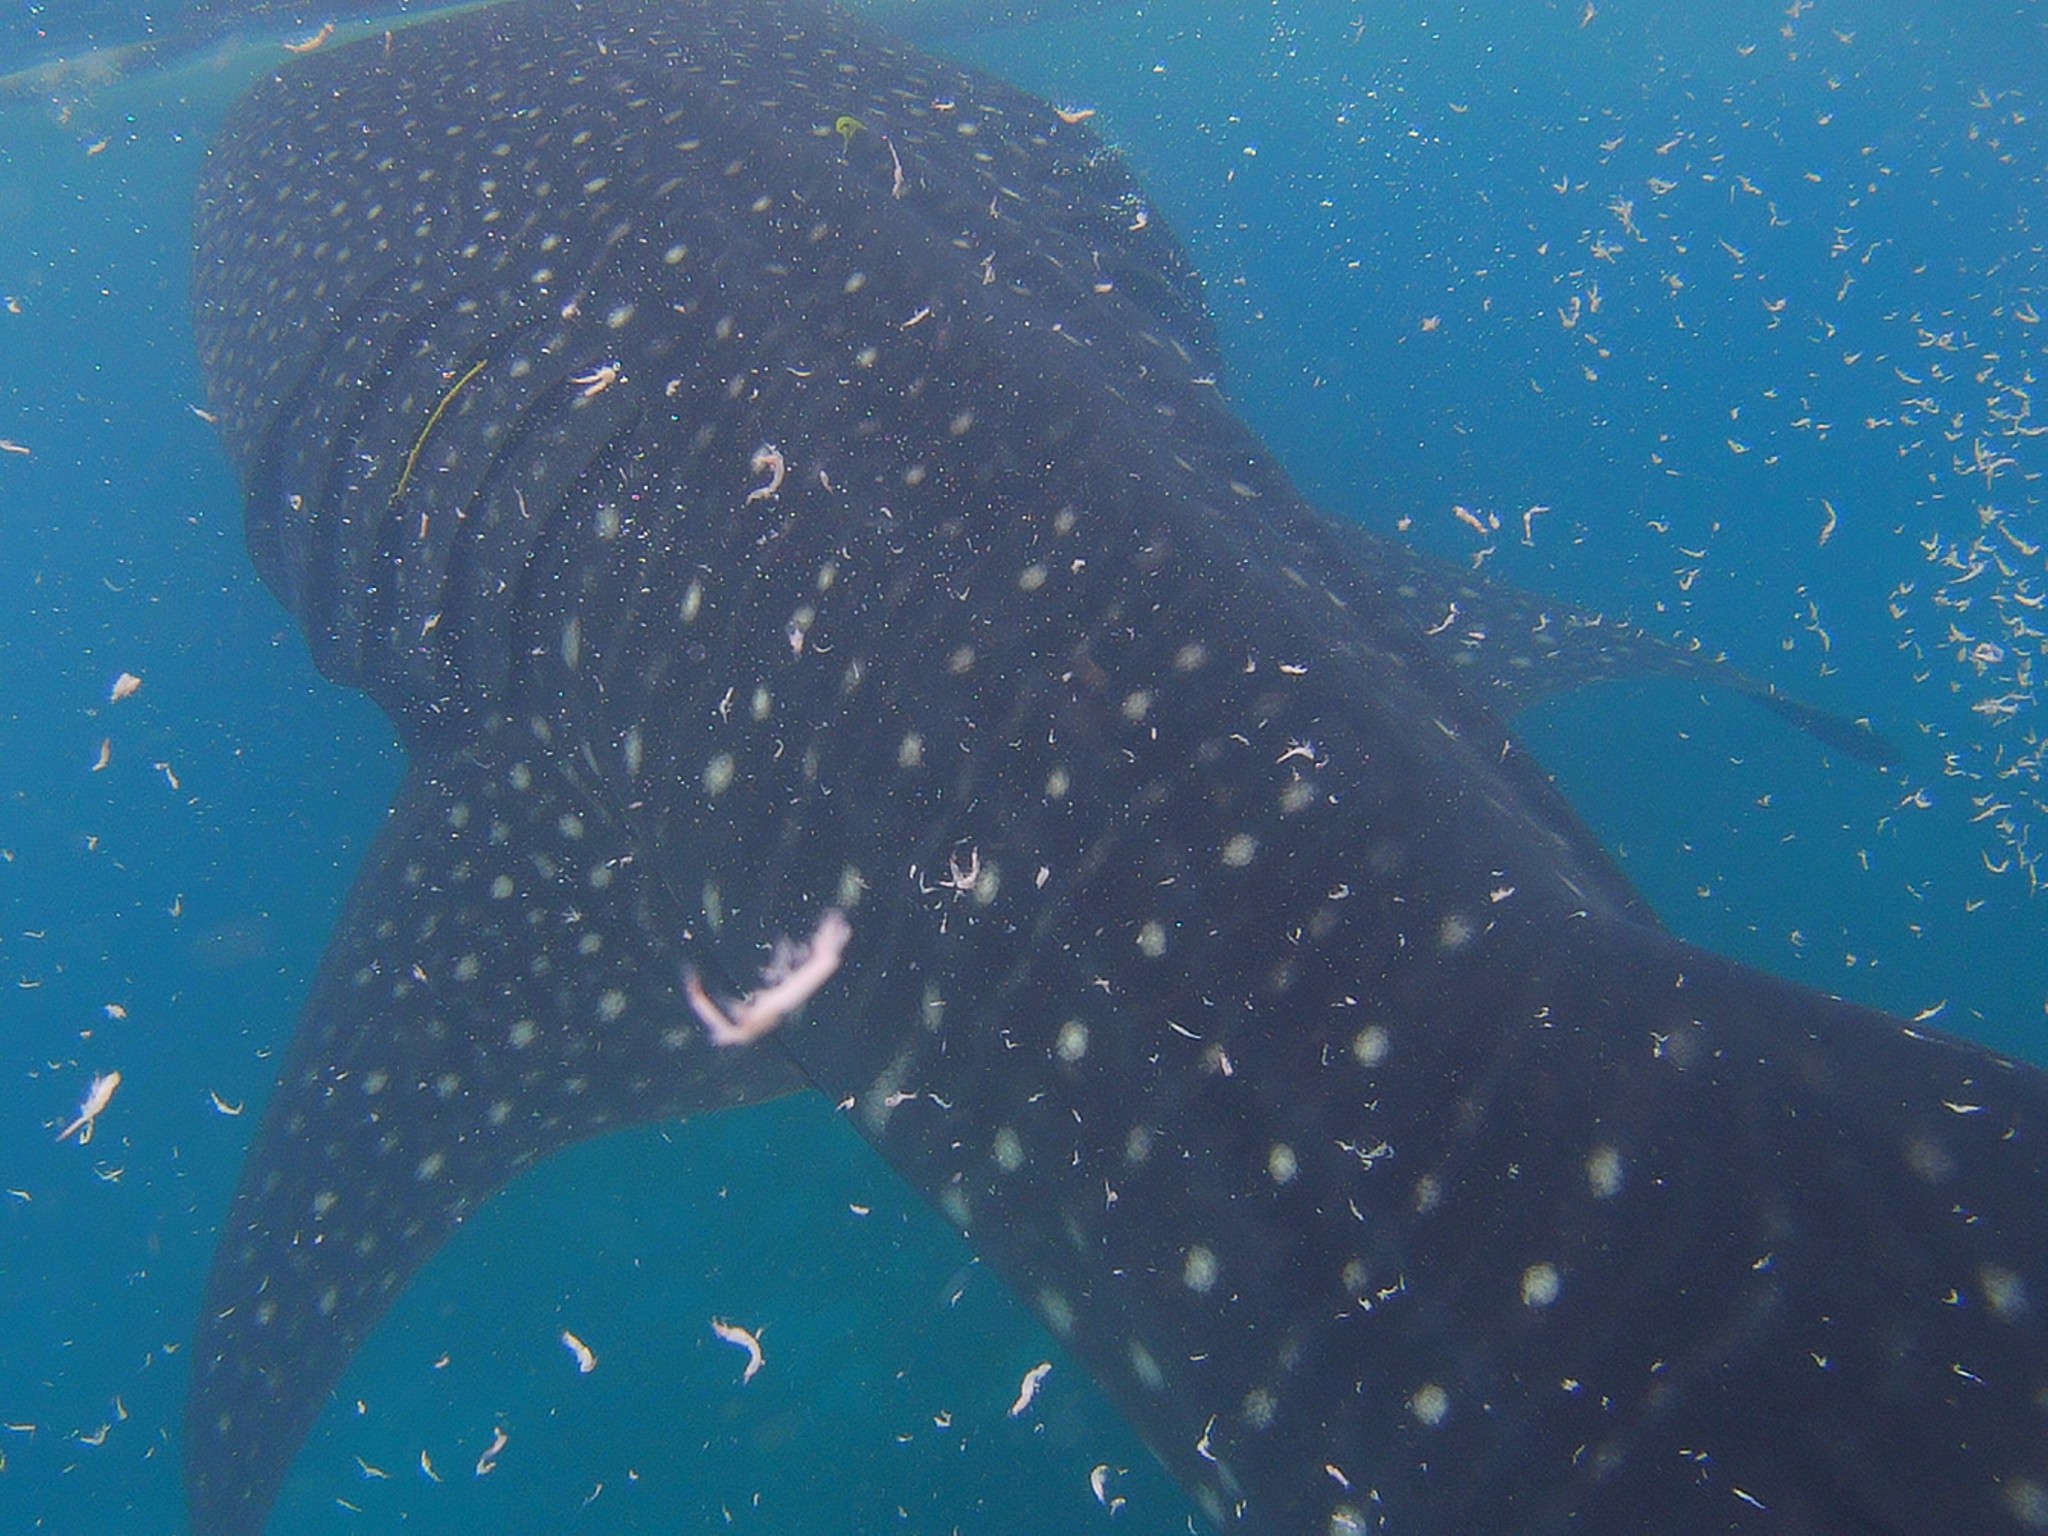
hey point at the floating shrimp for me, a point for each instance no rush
(97, 1097)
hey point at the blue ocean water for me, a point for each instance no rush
(1747, 296)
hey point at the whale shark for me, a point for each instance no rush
(780, 486)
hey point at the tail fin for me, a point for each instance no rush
(1572, 1229)
(1820, 1280)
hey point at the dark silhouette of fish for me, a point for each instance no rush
(766, 472)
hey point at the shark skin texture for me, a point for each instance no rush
(766, 472)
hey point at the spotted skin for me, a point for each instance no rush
(503, 983)
(1219, 965)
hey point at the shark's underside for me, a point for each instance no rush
(763, 469)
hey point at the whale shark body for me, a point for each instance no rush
(768, 473)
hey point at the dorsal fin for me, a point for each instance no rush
(1518, 648)
(1514, 648)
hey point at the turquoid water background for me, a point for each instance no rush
(1748, 297)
